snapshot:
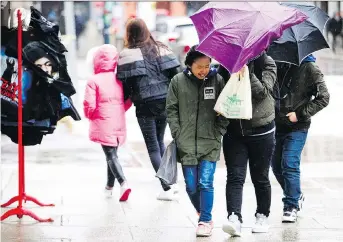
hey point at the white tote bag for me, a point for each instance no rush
(234, 102)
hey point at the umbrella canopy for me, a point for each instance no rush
(303, 39)
(235, 32)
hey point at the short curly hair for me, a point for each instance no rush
(192, 55)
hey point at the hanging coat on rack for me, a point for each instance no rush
(46, 84)
(47, 33)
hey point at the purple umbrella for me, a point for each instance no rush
(235, 32)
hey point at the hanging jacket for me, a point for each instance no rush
(298, 86)
(262, 78)
(144, 74)
(45, 34)
(63, 82)
(104, 103)
(195, 126)
(46, 30)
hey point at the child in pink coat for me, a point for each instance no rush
(105, 104)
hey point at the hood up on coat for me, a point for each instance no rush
(105, 59)
(90, 61)
(309, 58)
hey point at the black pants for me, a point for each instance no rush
(114, 169)
(334, 42)
(237, 151)
(153, 129)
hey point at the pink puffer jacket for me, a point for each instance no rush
(103, 103)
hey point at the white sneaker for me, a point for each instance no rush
(261, 224)
(124, 192)
(175, 188)
(204, 229)
(234, 226)
(301, 202)
(166, 195)
(290, 215)
(108, 192)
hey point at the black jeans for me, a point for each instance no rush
(237, 151)
(153, 129)
(334, 42)
(114, 169)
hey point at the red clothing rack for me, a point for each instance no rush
(22, 196)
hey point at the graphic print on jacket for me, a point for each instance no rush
(104, 103)
(194, 124)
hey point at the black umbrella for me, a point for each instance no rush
(302, 39)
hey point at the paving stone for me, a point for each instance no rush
(119, 232)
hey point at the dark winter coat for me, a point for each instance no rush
(298, 85)
(335, 26)
(262, 78)
(145, 75)
(195, 126)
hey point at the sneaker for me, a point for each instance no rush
(290, 215)
(108, 191)
(204, 229)
(166, 195)
(234, 226)
(175, 188)
(261, 224)
(301, 202)
(124, 192)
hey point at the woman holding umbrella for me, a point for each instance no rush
(251, 140)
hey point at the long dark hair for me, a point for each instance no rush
(139, 36)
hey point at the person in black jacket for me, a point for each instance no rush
(146, 67)
(335, 27)
(298, 85)
(251, 140)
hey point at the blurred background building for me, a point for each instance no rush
(103, 21)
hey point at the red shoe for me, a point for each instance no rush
(124, 193)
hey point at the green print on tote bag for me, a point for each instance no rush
(234, 102)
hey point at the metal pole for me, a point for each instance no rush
(71, 55)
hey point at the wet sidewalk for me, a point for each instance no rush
(70, 171)
(83, 213)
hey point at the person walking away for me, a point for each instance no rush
(254, 141)
(298, 84)
(335, 27)
(146, 67)
(197, 130)
(80, 25)
(105, 104)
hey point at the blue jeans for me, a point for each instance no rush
(199, 187)
(286, 165)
